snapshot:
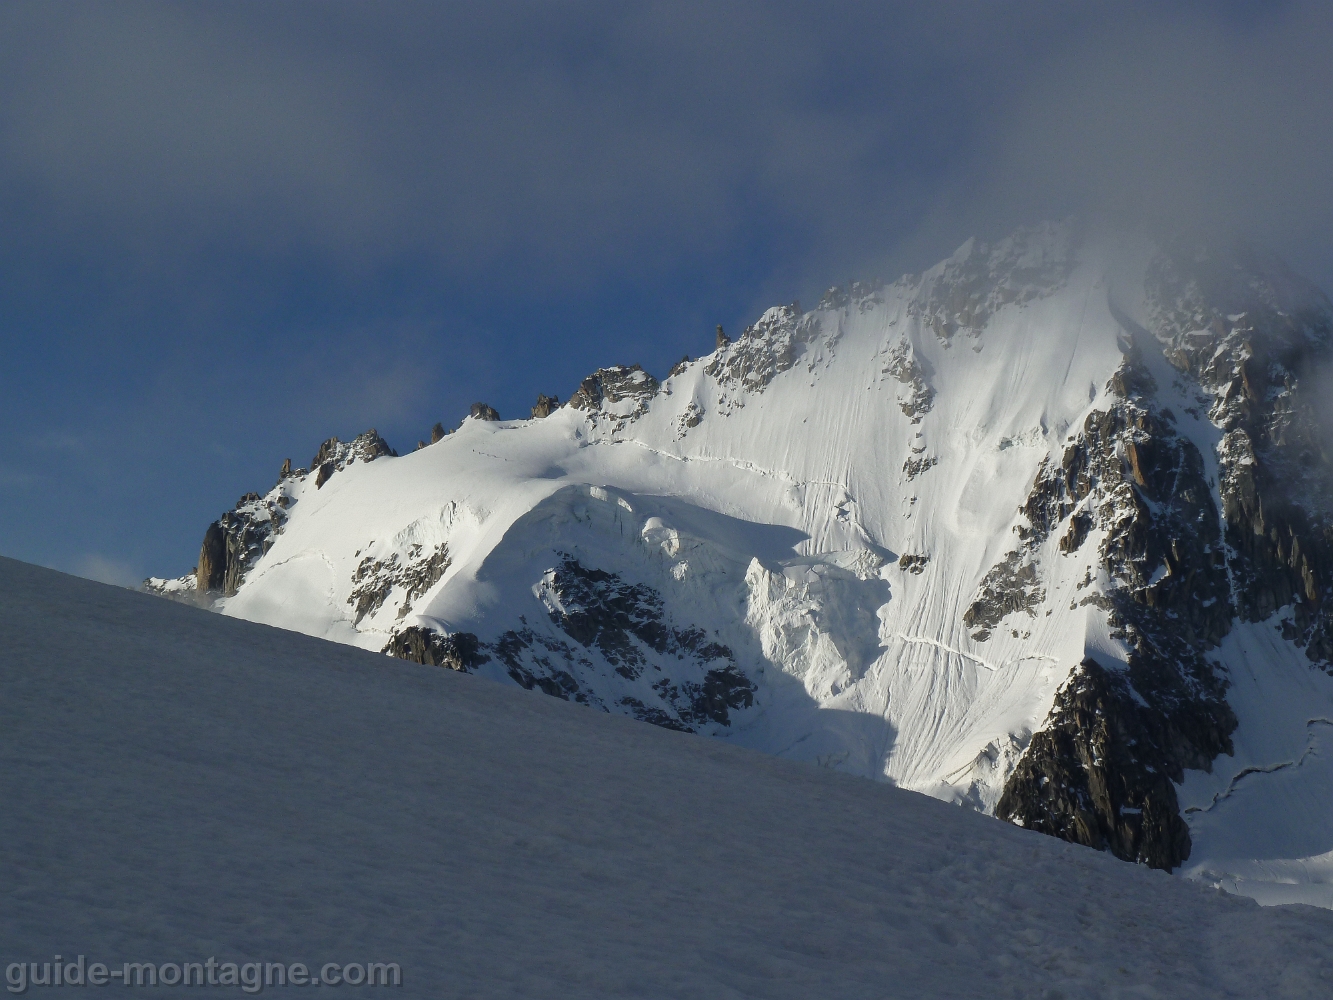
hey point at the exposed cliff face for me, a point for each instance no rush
(1097, 774)
(764, 351)
(980, 279)
(460, 651)
(212, 569)
(237, 539)
(240, 537)
(1101, 771)
(545, 406)
(1092, 776)
(1258, 340)
(483, 411)
(412, 573)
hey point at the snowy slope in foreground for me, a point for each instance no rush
(180, 785)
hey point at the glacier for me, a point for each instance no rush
(854, 537)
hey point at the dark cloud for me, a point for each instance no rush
(559, 138)
(227, 230)
(1196, 123)
(581, 140)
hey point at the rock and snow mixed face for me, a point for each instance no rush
(1005, 533)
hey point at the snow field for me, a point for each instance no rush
(179, 785)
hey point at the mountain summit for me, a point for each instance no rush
(1045, 531)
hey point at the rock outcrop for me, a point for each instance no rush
(763, 351)
(1102, 771)
(627, 625)
(1093, 775)
(545, 406)
(236, 540)
(913, 563)
(212, 568)
(903, 365)
(335, 455)
(964, 291)
(482, 411)
(458, 651)
(1257, 340)
(618, 395)
(413, 574)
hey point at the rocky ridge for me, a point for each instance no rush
(981, 278)
(1101, 771)
(240, 537)
(1256, 340)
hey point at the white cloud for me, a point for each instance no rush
(107, 569)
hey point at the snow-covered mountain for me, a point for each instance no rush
(1044, 531)
(180, 787)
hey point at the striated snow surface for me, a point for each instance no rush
(775, 524)
(179, 786)
(812, 508)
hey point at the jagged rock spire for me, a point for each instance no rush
(482, 411)
(212, 560)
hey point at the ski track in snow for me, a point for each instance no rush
(180, 785)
